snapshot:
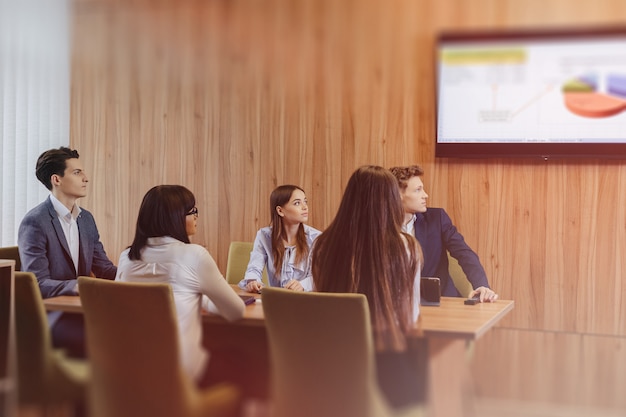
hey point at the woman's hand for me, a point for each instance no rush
(294, 285)
(485, 294)
(254, 286)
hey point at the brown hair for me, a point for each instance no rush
(364, 250)
(279, 197)
(163, 212)
(53, 161)
(404, 174)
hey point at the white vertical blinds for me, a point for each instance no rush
(34, 100)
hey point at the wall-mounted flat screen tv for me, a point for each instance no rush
(540, 93)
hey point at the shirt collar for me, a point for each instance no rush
(408, 226)
(62, 211)
(161, 240)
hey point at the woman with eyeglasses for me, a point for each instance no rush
(283, 247)
(162, 252)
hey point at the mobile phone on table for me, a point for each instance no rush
(247, 299)
(430, 291)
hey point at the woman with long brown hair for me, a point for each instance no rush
(365, 251)
(284, 246)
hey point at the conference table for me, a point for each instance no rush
(441, 338)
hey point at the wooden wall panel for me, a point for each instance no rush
(555, 367)
(234, 97)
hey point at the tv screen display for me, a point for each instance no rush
(548, 94)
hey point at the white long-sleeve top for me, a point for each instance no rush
(192, 273)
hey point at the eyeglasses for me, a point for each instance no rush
(194, 212)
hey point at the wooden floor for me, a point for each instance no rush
(483, 407)
(29, 411)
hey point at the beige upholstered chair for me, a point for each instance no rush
(46, 377)
(238, 258)
(11, 252)
(458, 277)
(322, 356)
(132, 340)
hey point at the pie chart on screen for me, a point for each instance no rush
(583, 96)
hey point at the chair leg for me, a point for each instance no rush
(470, 347)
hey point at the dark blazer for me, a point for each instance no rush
(44, 251)
(437, 236)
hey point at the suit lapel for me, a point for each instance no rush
(419, 228)
(56, 225)
(84, 242)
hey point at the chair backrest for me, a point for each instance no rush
(238, 258)
(321, 355)
(33, 338)
(458, 277)
(132, 341)
(42, 379)
(11, 252)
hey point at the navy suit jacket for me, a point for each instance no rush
(437, 236)
(44, 251)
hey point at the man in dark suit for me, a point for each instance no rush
(437, 236)
(59, 241)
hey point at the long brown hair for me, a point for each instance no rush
(364, 250)
(279, 197)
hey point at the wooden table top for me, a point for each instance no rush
(6, 262)
(451, 319)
